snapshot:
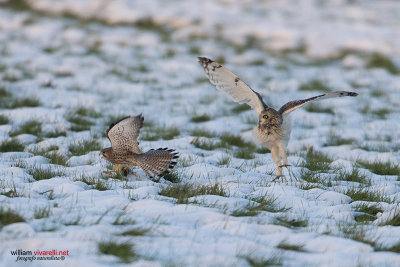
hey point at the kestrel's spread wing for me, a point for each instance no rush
(292, 105)
(231, 84)
(124, 133)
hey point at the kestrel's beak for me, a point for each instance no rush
(101, 153)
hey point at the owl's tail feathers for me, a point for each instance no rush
(157, 161)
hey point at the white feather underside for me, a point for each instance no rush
(232, 85)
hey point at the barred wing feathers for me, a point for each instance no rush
(292, 105)
(124, 133)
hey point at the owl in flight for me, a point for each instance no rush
(125, 149)
(273, 129)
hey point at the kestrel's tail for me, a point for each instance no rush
(158, 162)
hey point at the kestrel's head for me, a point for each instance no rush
(106, 153)
(270, 116)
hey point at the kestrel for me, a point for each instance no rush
(125, 149)
(273, 130)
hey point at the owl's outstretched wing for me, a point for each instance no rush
(231, 84)
(292, 105)
(124, 133)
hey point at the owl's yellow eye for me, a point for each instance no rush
(265, 116)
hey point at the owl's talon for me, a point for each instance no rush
(285, 165)
(277, 177)
(125, 168)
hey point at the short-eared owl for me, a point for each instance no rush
(273, 129)
(125, 149)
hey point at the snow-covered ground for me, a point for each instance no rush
(87, 63)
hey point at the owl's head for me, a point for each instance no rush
(270, 116)
(106, 153)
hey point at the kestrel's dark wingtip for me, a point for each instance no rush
(140, 116)
(204, 60)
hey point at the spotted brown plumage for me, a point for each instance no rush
(125, 149)
(273, 130)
